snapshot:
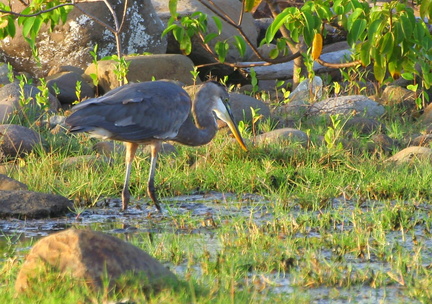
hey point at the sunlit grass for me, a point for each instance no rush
(328, 217)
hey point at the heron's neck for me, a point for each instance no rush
(199, 128)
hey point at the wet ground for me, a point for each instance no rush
(106, 216)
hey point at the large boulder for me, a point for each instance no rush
(91, 256)
(144, 68)
(356, 105)
(71, 43)
(16, 141)
(28, 204)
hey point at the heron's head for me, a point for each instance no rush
(222, 109)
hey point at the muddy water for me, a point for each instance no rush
(18, 235)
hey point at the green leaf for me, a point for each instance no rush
(379, 68)
(27, 26)
(277, 23)
(353, 17)
(186, 45)
(250, 4)
(221, 49)
(309, 21)
(407, 27)
(170, 28)
(210, 37)
(172, 4)
(357, 30)
(338, 8)
(11, 29)
(218, 24)
(365, 53)
(387, 44)
(408, 76)
(274, 53)
(374, 31)
(240, 44)
(36, 28)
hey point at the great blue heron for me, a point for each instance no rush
(150, 113)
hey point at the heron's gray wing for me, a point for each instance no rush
(135, 112)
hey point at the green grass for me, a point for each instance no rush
(338, 224)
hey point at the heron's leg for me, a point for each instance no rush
(130, 154)
(154, 150)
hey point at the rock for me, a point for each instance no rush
(56, 120)
(66, 84)
(307, 90)
(363, 125)
(199, 54)
(426, 117)
(91, 257)
(285, 135)
(15, 140)
(71, 43)
(292, 110)
(411, 154)
(241, 107)
(27, 204)
(422, 140)
(348, 105)
(4, 74)
(396, 95)
(384, 142)
(400, 98)
(144, 68)
(107, 148)
(10, 96)
(65, 68)
(7, 183)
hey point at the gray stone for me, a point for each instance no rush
(422, 140)
(285, 135)
(384, 142)
(348, 105)
(66, 84)
(411, 154)
(241, 107)
(363, 125)
(7, 183)
(426, 117)
(27, 204)
(10, 96)
(307, 90)
(4, 74)
(15, 140)
(92, 257)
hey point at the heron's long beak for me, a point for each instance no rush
(228, 117)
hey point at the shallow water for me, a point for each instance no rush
(206, 207)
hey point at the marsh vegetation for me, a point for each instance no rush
(282, 223)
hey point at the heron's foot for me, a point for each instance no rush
(152, 194)
(125, 198)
